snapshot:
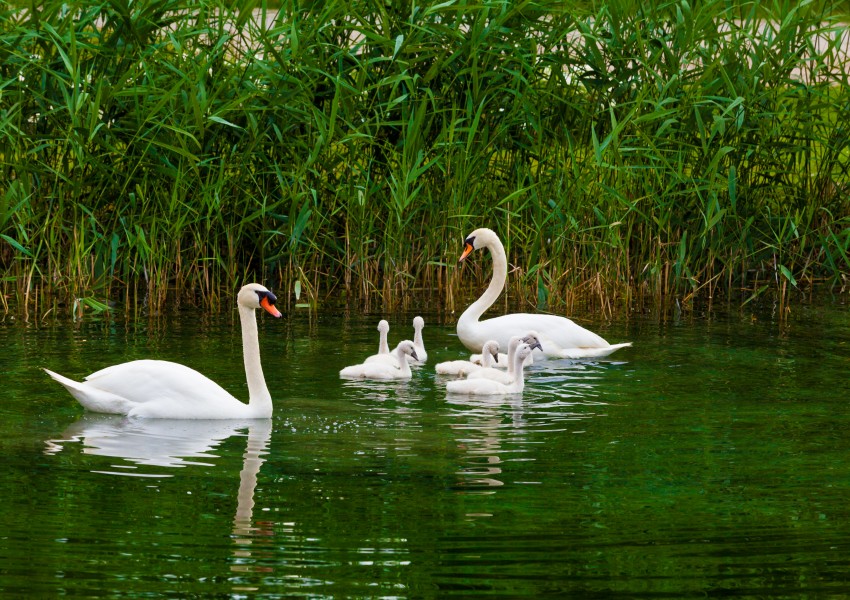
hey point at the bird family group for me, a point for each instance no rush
(169, 390)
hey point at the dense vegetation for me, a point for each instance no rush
(627, 153)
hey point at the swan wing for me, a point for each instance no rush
(382, 358)
(490, 373)
(156, 389)
(373, 370)
(559, 336)
(143, 381)
(456, 367)
(94, 399)
(576, 353)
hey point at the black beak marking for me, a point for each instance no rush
(267, 295)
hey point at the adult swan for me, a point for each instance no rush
(559, 337)
(167, 390)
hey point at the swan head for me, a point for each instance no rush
(383, 326)
(491, 347)
(532, 340)
(406, 348)
(418, 323)
(254, 295)
(479, 238)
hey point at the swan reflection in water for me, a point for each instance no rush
(172, 443)
(177, 444)
(494, 430)
(481, 429)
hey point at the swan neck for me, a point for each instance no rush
(403, 363)
(519, 373)
(511, 355)
(259, 398)
(497, 282)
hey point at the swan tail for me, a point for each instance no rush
(602, 352)
(92, 398)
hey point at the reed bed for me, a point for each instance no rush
(630, 155)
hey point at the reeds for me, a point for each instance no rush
(629, 155)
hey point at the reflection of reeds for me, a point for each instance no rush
(633, 154)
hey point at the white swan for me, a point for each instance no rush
(463, 368)
(508, 376)
(559, 336)
(418, 325)
(167, 390)
(384, 370)
(384, 354)
(491, 387)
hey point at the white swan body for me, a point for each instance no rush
(491, 387)
(418, 325)
(463, 368)
(384, 370)
(559, 336)
(508, 376)
(384, 354)
(168, 390)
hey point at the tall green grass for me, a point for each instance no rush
(629, 154)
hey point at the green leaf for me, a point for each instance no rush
(787, 274)
(399, 40)
(733, 187)
(224, 122)
(16, 245)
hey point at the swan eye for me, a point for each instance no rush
(468, 247)
(268, 296)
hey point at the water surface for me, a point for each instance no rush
(710, 459)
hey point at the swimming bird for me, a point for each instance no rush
(169, 390)
(463, 368)
(384, 354)
(418, 325)
(559, 337)
(384, 370)
(491, 387)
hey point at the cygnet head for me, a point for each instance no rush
(406, 347)
(418, 323)
(491, 347)
(383, 326)
(254, 295)
(532, 340)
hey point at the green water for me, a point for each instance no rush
(712, 459)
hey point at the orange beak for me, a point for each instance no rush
(270, 308)
(467, 250)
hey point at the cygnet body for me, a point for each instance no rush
(465, 367)
(384, 370)
(491, 387)
(508, 376)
